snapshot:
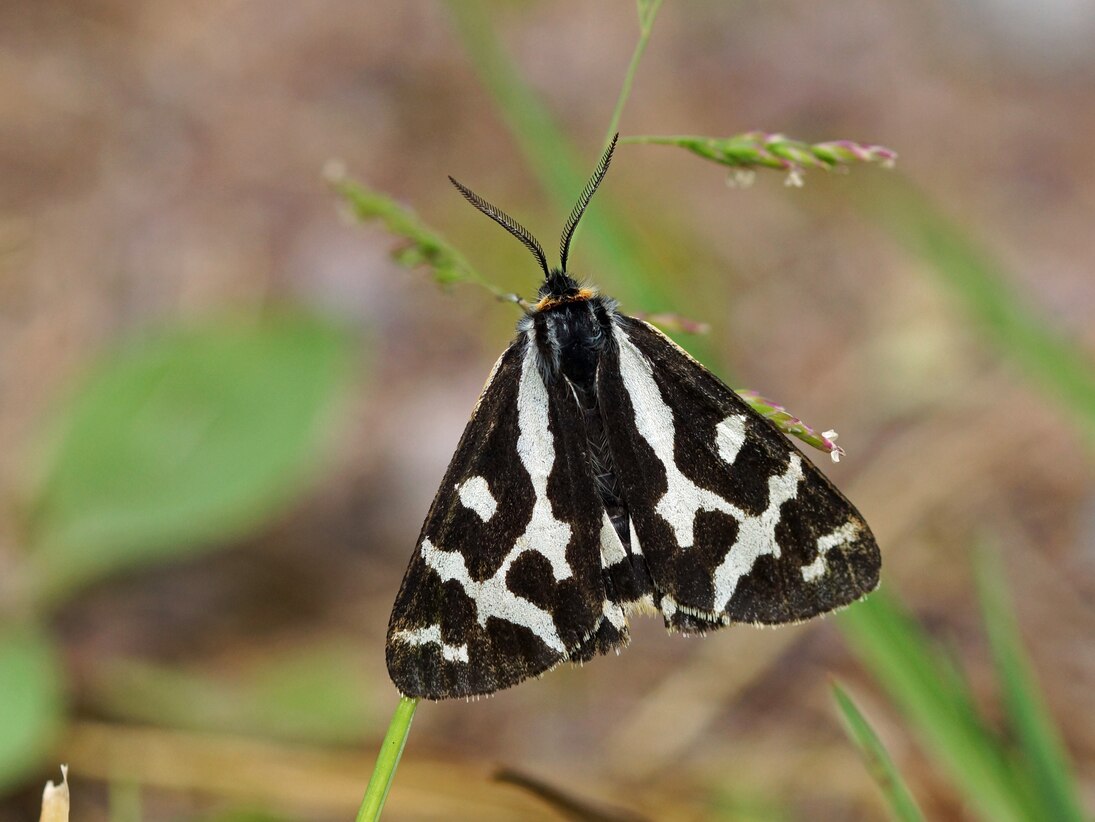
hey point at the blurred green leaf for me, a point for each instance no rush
(125, 802)
(247, 815)
(184, 439)
(316, 694)
(881, 766)
(927, 690)
(1028, 718)
(31, 701)
(740, 804)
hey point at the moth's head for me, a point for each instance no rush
(558, 285)
(559, 288)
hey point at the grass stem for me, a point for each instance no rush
(387, 761)
(647, 12)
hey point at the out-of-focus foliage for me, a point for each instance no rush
(312, 694)
(930, 691)
(1031, 731)
(30, 700)
(180, 440)
(1009, 322)
(1018, 774)
(424, 246)
(172, 444)
(248, 815)
(881, 766)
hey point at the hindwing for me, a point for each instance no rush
(506, 580)
(734, 523)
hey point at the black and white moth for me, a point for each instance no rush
(604, 471)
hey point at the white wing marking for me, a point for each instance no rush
(636, 549)
(668, 606)
(614, 614)
(730, 437)
(432, 633)
(756, 535)
(535, 448)
(475, 494)
(819, 567)
(491, 596)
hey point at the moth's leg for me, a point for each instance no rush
(517, 300)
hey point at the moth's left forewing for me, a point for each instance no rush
(734, 523)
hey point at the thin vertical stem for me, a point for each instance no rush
(387, 761)
(647, 13)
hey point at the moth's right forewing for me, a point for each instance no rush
(504, 583)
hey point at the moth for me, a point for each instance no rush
(605, 472)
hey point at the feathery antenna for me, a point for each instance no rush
(583, 201)
(506, 221)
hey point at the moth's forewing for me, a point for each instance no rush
(735, 524)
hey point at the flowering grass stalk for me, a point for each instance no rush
(423, 246)
(672, 322)
(762, 149)
(789, 424)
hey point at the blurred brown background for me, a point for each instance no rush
(162, 160)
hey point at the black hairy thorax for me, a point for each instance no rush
(573, 329)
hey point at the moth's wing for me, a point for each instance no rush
(734, 523)
(506, 580)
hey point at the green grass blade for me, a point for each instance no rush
(881, 766)
(939, 707)
(391, 749)
(1040, 748)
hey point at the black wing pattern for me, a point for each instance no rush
(734, 523)
(506, 580)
